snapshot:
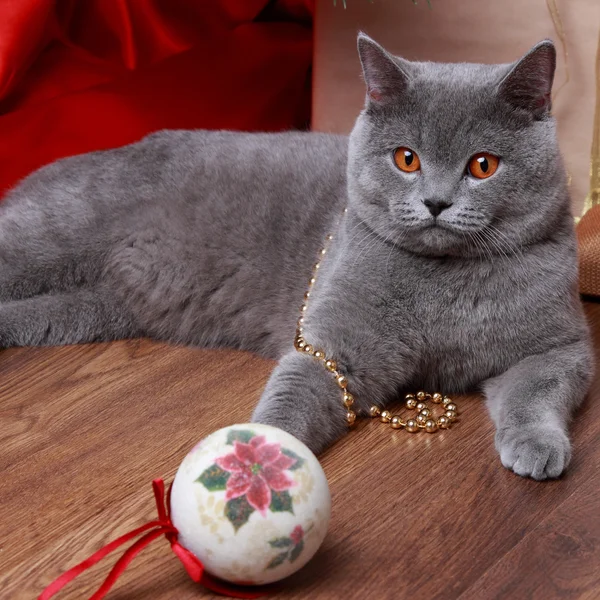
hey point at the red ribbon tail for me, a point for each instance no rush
(69, 575)
(127, 557)
(158, 487)
(192, 565)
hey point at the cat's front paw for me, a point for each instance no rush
(540, 452)
(315, 428)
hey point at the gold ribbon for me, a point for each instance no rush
(562, 36)
(588, 229)
(593, 198)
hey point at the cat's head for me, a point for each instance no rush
(447, 158)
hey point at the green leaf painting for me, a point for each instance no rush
(278, 560)
(299, 461)
(238, 511)
(214, 479)
(281, 502)
(293, 544)
(240, 435)
(296, 551)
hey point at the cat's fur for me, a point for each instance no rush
(208, 238)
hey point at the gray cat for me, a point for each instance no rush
(453, 268)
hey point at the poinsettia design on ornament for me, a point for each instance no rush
(255, 476)
(256, 468)
(289, 547)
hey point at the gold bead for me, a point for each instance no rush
(299, 331)
(420, 406)
(301, 321)
(411, 403)
(299, 343)
(420, 396)
(443, 422)
(319, 354)
(421, 419)
(350, 417)
(342, 381)
(374, 411)
(451, 406)
(306, 295)
(329, 237)
(412, 426)
(348, 399)
(437, 398)
(427, 396)
(330, 365)
(396, 423)
(430, 426)
(308, 349)
(312, 280)
(446, 400)
(323, 251)
(426, 412)
(451, 414)
(409, 397)
(316, 266)
(386, 416)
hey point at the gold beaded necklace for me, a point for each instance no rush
(425, 419)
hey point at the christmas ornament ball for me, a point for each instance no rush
(252, 503)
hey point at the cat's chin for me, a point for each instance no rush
(435, 239)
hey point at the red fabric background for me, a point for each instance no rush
(81, 75)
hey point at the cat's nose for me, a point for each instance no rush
(436, 206)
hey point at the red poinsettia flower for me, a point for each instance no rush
(297, 535)
(256, 468)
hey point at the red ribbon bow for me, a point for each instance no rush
(162, 526)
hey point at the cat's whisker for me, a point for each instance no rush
(511, 246)
(465, 226)
(356, 231)
(392, 249)
(508, 250)
(495, 243)
(480, 252)
(366, 244)
(470, 218)
(509, 224)
(485, 246)
(360, 238)
(477, 243)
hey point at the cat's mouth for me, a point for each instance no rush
(436, 224)
(440, 234)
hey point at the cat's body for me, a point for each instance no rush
(148, 223)
(209, 238)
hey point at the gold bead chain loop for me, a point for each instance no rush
(424, 418)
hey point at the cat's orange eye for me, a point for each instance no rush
(406, 160)
(483, 165)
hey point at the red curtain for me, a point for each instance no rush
(81, 75)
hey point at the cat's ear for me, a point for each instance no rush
(385, 78)
(528, 84)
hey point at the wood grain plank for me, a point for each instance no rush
(560, 558)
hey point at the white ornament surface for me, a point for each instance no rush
(252, 503)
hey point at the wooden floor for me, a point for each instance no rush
(84, 430)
